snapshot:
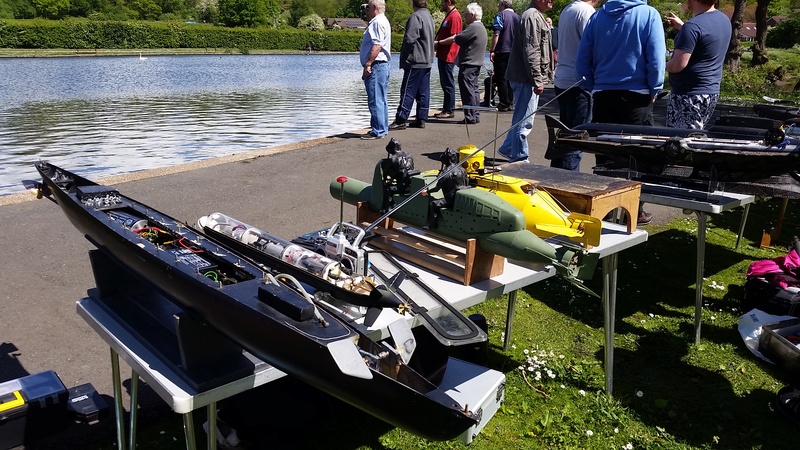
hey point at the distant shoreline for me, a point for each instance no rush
(83, 52)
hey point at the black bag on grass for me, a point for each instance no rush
(761, 294)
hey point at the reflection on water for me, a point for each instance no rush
(102, 116)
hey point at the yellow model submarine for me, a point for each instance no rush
(544, 216)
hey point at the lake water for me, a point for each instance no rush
(104, 116)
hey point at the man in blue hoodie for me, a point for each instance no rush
(622, 55)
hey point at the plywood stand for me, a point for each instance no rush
(462, 261)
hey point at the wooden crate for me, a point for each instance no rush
(461, 261)
(584, 193)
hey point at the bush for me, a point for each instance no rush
(311, 22)
(785, 35)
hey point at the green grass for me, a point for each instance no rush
(668, 392)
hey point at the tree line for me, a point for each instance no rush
(308, 14)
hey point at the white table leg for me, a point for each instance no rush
(134, 408)
(609, 296)
(741, 224)
(188, 431)
(118, 410)
(212, 426)
(512, 302)
(701, 252)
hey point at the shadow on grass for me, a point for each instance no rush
(697, 406)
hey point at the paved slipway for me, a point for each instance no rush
(283, 190)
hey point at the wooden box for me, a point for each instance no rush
(584, 193)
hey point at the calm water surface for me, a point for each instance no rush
(104, 116)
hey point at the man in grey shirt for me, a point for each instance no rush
(574, 101)
(472, 42)
(416, 59)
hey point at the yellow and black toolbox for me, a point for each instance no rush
(30, 407)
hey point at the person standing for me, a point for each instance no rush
(416, 59)
(574, 101)
(446, 57)
(695, 69)
(472, 50)
(503, 27)
(622, 55)
(375, 54)
(530, 67)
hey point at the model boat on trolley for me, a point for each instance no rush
(272, 316)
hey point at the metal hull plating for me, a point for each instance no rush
(300, 347)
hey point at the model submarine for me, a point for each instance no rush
(273, 317)
(497, 225)
(544, 216)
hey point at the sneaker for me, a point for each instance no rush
(444, 115)
(468, 122)
(397, 126)
(417, 124)
(644, 218)
(369, 136)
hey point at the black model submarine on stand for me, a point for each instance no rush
(271, 316)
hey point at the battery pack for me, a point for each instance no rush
(85, 404)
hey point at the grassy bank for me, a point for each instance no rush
(668, 392)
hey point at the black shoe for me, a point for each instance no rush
(485, 104)
(505, 108)
(417, 124)
(398, 126)
(468, 122)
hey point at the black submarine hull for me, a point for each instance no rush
(247, 309)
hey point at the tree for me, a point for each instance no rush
(147, 9)
(760, 56)
(311, 22)
(299, 9)
(51, 9)
(734, 55)
(247, 13)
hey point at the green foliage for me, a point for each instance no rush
(51, 9)
(299, 9)
(397, 11)
(146, 9)
(248, 13)
(311, 22)
(83, 34)
(785, 35)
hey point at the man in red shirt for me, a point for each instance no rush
(446, 57)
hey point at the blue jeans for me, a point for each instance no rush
(377, 85)
(515, 146)
(575, 108)
(448, 83)
(416, 85)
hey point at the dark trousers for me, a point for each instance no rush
(448, 83)
(416, 85)
(621, 106)
(470, 92)
(504, 93)
(625, 107)
(575, 108)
